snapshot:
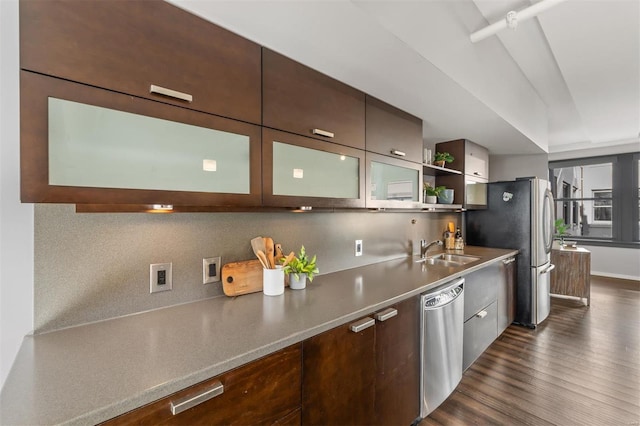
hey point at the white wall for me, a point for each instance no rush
(16, 219)
(614, 262)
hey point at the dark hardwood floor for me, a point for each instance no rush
(580, 367)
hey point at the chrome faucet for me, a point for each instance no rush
(424, 246)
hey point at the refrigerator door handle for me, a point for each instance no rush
(549, 268)
(547, 221)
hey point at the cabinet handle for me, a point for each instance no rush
(386, 314)
(398, 153)
(477, 173)
(508, 261)
(190, 401)
(321, 132)
(482, 314)
(170, 93)
(363, 324)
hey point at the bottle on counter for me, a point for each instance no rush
(449, 237)
(458, 240)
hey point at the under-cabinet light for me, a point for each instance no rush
(161, 208)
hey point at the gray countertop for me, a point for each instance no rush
(91, 373)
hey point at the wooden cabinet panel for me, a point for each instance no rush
(392, 132)
(339, 378)
(398, 365)
(292, 419)
(262, 392)
(572, 274)
(300, 171)
(127, 46)
(473, 161)
(299, 99)
(36, 91)
(369, 377)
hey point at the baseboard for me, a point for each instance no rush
(610, 275)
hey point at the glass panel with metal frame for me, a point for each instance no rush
(584, 199)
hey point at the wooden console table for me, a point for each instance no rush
(572, 275)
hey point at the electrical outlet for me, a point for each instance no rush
(211, 270)
(160, 277)
(358, 247)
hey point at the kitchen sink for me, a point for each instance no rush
(445, 259)
(456, 258)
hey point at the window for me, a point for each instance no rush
(602, 205)
(599, 198)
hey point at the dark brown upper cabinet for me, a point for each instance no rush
(145, 48)
(304, 172)
(83, 144)
(392, 132)
(301, 100)
(473, 161)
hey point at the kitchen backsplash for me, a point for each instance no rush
(91, 267)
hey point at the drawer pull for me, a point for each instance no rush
(190, 401)
(398, 153)
(508, 261)
(170, 93)
(482, 314)
(386, 314)
(363, 324)
(321, 132)
(477, 173)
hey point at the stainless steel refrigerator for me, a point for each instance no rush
(520, 215)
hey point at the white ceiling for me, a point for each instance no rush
(566, 80)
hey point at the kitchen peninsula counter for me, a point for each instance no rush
(94, 372)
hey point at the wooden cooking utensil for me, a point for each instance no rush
(288, 259)
(269, 251)
(263, 259)
(257, 243)
(279, 255)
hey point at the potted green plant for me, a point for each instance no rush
(560, 230)
(431, 193)
(299, 268)
(443, 157)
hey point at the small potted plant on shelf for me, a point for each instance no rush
(443, 157)
(431, 193)
(299, 269)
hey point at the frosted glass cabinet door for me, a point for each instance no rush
(103, 147)
(393, 183)
(300, 171)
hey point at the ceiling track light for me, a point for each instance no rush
(512, 18)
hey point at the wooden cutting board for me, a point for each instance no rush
(242, 277)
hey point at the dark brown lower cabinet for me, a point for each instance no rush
(266, 391)
(364, 377)
(398, 365)
(339, 377)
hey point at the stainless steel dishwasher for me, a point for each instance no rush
(442, 320)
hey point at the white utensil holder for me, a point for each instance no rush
(273, 281)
